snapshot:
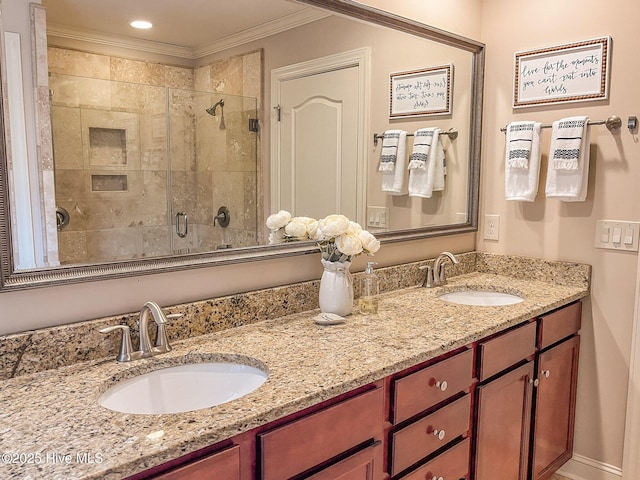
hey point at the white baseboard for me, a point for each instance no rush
(583, 468)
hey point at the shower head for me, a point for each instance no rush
(212, 109)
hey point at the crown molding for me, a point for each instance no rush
(279, 25)
(294, 20)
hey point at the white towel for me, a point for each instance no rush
(393, 161)
(426, 165)
(568, 172)
(522, 161)
(389, 152)
(519, 143)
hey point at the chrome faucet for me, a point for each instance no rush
(145, 349)
(436, 275)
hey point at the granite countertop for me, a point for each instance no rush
(52, 427)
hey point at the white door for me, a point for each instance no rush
(318, 159)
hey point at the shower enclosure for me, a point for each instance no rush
(143, 170)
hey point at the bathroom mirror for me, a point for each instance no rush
(220, 109)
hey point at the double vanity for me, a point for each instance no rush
(425, 388)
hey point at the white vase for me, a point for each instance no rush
(336, 288)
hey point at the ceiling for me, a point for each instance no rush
(197, 26)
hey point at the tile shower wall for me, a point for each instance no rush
(112, 163)
(227, 173)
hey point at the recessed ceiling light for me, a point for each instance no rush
(141, 24)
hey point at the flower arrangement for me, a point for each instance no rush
(339, 238)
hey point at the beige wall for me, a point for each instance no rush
(555, 230)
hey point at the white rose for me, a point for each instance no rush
(314, 232)
(370, 243)
(349, 244)
(354, 228)
(276, 236)
(296, 228)
(278, 220)
(334, 225)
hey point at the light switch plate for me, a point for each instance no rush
(617, 235)
(377, 217)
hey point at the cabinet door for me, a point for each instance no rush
(555, 407)
(503, 426)
(225, 464)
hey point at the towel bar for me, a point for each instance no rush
(612, 123)
(452, 133)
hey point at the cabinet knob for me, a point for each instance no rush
(545, 373)
(534, 382)
(439, 433)
(442, 385)
(435, 477)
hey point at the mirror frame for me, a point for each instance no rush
(12, 280)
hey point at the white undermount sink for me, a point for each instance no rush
(183, 388)
(486, 298)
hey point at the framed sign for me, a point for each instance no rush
(421, 92)
(574, 72)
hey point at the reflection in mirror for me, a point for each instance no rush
(140, 169)
(151, 141)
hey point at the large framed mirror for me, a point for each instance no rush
(157, 153)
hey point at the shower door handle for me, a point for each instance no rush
(182, 227)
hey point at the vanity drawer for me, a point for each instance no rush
(506, 350)
(431, 385)
(423, 437)
(559, 324)
(308, 441)
(225, 464)
(451, 465)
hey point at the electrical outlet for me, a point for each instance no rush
(491, 227)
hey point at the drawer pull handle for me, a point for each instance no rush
(442, 385)
(545, 373)
(439, 433)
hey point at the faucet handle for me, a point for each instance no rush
(125, 354)
(428, 279)
(162, 340)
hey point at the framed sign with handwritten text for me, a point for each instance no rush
(421, 92)
(574, 72)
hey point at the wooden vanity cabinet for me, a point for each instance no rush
(524, 416)
(555, 393)
(500, 409)
(503, 409)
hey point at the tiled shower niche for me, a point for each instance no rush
(128, 157)
(107, 146)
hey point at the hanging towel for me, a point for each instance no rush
(568, 172)
(426, 165)
(522, 161)
(393, 161)
(389, 153)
